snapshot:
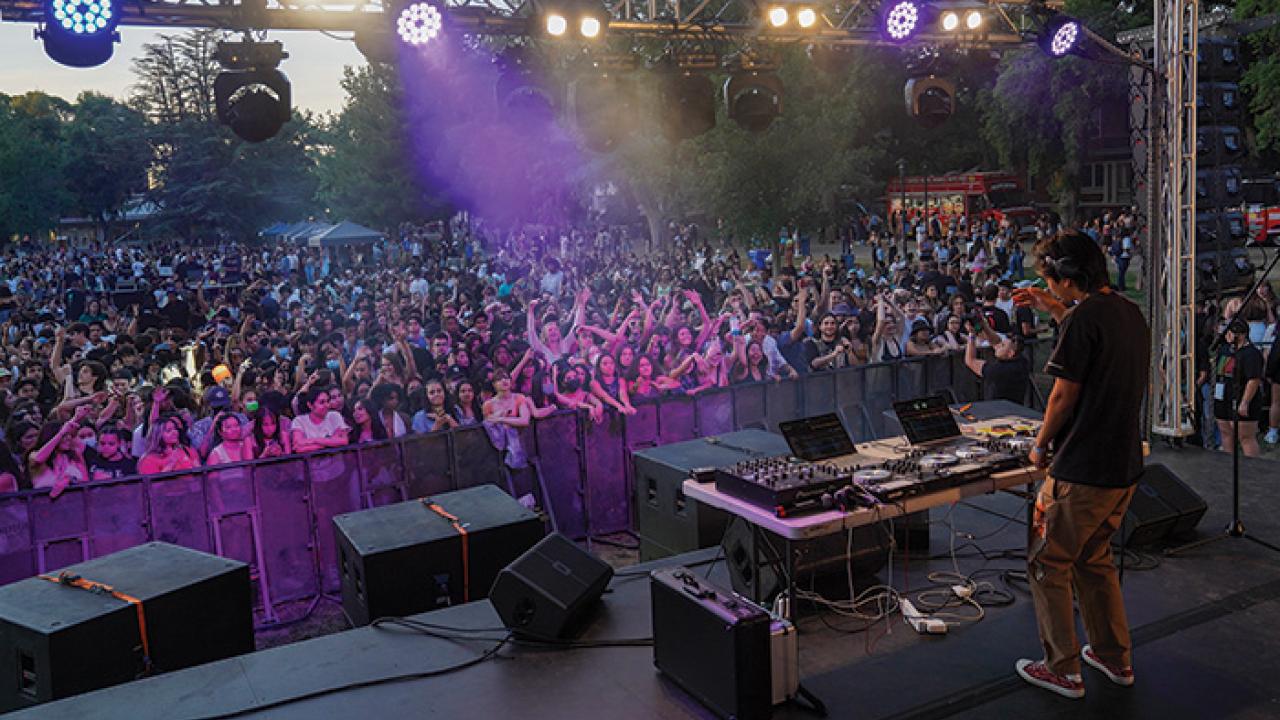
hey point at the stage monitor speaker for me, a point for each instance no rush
(1162, 507)
(816, 560)
(545, 592)
(58, 639)
(408, 558)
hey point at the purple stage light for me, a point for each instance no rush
(1065, 38)
(419, 23)
(1060, 36)
(900, 20)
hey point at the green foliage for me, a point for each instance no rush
(841, 133)
(207, 182)
(362, 166)
(32, 159)
(107, 156)
(1261, 80)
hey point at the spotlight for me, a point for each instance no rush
(603, 108)
(753, 99)
(589, 17)
(778, 16)
(252, 97)
(807, 18)
(900, 19)
(930, 100)
(556, 24)
(419, 23)
(1060, 36)
(80, 33)
(950, 20)
(521, 99)
(690, 100)
(973, 19)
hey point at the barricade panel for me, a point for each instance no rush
(287, 520)
(477, 460)
(715, 412)
(607, 502)
(178, 513)
(17, 559)
(559, 456)
(427, 464)
(117, 517)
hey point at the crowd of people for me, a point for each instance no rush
(151, 359)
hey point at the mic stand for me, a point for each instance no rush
(1236, 529)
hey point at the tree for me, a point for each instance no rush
(107, 155)
(363, 170)
(1039, 113)
(1262, 76)
(207, 181)
(32, 193)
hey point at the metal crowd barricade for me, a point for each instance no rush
(276, 514)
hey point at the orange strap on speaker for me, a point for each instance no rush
(71, 580)
(462, 532)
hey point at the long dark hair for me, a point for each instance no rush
(259, 438)
(376, 425)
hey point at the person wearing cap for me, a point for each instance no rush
(217, 399)
(1237, 389)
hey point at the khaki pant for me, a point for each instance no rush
(1070, 548)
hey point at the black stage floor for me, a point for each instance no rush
(1206, 629)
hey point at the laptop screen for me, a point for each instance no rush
(926, 419)
(817, 438)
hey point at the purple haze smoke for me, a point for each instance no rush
(482, 142)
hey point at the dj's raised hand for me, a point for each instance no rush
(1039, 299)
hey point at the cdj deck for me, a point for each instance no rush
(877, 472)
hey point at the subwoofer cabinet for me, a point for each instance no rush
(151, 608)
(667, 522)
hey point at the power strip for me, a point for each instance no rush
(923, 625)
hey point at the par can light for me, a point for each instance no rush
(973, 19)
(557, 25)
(900, 19)
(589, 27)
(950, 21)
(778, 16)
(807, 18)
(419, 23)
(1061, 35)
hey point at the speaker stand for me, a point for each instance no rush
(1236, 528)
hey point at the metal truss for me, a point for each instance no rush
(1173, 237)
(842, 22)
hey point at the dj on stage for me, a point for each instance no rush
(1093, 426)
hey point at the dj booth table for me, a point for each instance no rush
(829, 522)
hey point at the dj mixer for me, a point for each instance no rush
(827, 470)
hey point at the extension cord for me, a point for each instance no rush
(921, 624)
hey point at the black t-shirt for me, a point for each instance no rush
(1006, 379)
(1105, 346)
(1023, 315)
(1235, 369)
(103, 469)
(76, 299)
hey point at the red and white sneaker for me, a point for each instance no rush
(1039, 674)
(1120, 676)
